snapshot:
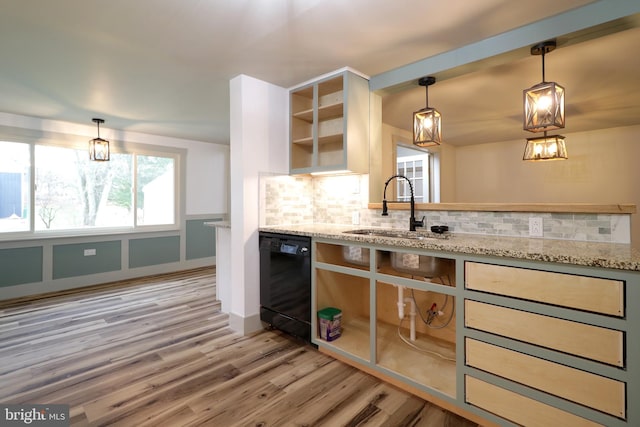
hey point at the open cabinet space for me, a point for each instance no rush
(428, 354)
(349, 294)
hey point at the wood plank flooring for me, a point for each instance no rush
(157, 351)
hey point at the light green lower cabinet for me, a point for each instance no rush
(499, 341)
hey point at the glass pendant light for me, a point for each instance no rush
(427, 130)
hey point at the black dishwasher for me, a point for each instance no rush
(285, 283)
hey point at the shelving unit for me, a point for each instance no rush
(329, 124)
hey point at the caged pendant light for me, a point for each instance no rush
(427, 123)
(98, 147)
(545, 148)
(544, 111)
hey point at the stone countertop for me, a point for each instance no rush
(605, 255)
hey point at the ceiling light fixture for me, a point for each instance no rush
(544, 111)
(98, 147)
(545, 148)
(427, 123)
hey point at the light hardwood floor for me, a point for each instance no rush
(158, 351)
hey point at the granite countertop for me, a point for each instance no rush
(606, 255)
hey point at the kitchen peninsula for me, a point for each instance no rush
(541, 332)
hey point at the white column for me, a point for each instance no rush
(259, 143)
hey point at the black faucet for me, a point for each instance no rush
(412, 219)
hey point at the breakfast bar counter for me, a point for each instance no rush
(592, 254)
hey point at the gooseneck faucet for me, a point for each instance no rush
(412, 219)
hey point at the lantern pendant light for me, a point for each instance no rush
(545, 148)
(427, 123)
(544, 102)
(98, 147)
(544, 111)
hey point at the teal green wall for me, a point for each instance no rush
(20, 265)
(69, 260)
(61, 261)
(153, 250)
(201, 239)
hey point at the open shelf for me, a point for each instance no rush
(332, 117)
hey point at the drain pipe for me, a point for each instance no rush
(400, 302)
(412, 311)
(412, 318)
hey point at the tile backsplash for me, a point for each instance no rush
(343, 200)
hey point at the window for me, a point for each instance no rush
(414, 164)
(72, 193)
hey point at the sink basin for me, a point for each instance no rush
(398, 234)
(422, 265)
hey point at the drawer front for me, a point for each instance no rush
(591, 390)
(581, 292)
(592, 342)
(517, 408)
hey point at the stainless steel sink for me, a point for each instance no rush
(422, 265)
(398, 234)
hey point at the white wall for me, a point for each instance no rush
(259, 143)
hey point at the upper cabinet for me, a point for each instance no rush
(330, 125)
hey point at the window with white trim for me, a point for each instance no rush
(414, 164)
(45, 187)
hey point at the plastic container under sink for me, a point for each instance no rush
(422, 265)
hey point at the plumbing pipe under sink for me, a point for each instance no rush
(412, 311)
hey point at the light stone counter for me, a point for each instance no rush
(605, 255)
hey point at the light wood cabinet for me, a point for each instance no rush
(559, 336)
(529, 343)
(330, 125)
(595, 391)
(592, 342)
(582, 292)
(518, 408)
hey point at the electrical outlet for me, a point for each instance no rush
(535, 227)
(355, 218)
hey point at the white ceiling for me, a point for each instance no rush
(163, 66)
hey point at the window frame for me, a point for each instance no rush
(431, 170)
(79, 142)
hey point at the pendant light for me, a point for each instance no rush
(545, 148)
(98, 147)
(427, 130)
(544, 111)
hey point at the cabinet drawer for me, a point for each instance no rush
(517, 408)
(585, 388)
(592, 342)
(581, 292)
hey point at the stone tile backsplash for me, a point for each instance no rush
(288, 200)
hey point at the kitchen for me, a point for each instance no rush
(246, 173)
